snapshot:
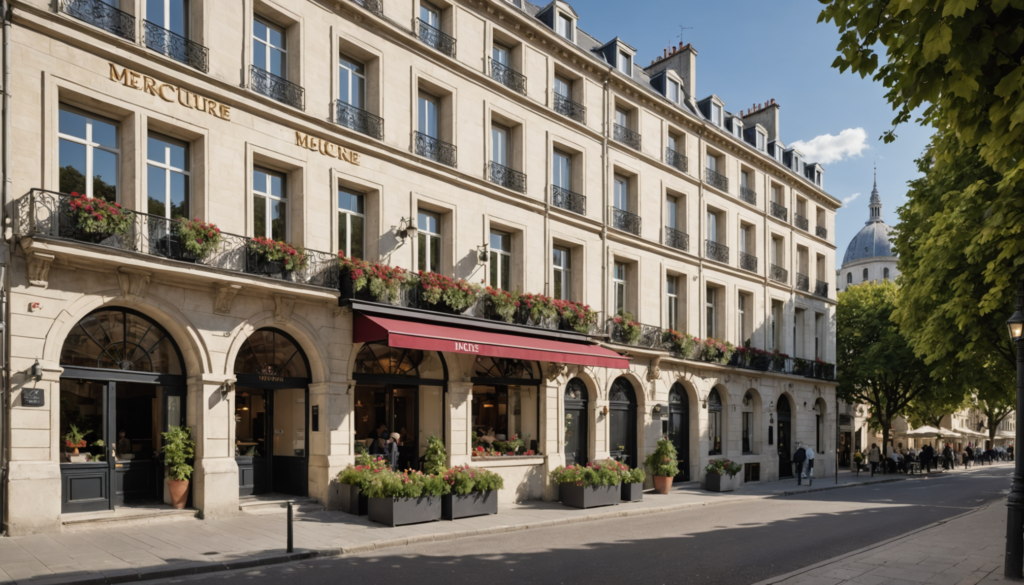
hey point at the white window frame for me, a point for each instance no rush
(499, 144)
(423, 101)
(711, 309)
(560, 79)
(711, 162)
(562, 271)
(561, 174)
(166, 17)
(90, 146)
(267, 198)
(622, 117)
(348, 214)
(672, 302)
(431, 240)
(625, 63)
(501, 54)
(762, 139)
(672, 91)
(168, 170)
(502, 257)
(433, 14)
(741, 315)
(564, 26)
(345, 71)
(620, 193)
(716, 114)
(672, 211)
(713, 226)
(267, 46)
(620, 290)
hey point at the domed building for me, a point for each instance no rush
(869, 257)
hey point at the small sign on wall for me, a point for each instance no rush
(33, 397)
(315, 418)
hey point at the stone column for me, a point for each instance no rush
(458, 426)
(551, 428)
(211, 416)
(330, 447)
(599, 428)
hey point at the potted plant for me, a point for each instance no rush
(626, 330)
(681, 343)
(383, 283)
(98, 219)
(440, 293)
(197, 239)
(179, 449)
(663, 465)
(632, 483)
(435, 458)
(75, 440)
(96, 457)
(502, 304)
(714, 471)
(778, 361)
(576, 316)
(473, 492)
(717, 352)
(276, 257)
(405, 498)
(354, 480)
(597, 484)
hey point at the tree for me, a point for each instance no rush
(876, 364)
(932, 405)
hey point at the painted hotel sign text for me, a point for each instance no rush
(326, 148)
(169, 93)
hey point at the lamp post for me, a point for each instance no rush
(1014, 562)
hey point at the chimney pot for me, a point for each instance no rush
(664, 52)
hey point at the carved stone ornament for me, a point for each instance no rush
(133, 284)
(345, 312)
(39, 268)
(554, 371)
(223, 297)
(283, 307)
(654, 371)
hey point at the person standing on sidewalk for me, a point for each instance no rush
(969, 456)
(810, 464)
(874, 456)
(798, 459)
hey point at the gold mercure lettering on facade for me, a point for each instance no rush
(167, 91)
(326, 148)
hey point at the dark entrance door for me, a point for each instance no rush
(622, 422)
(289, 423)
(785, 426)
(576, 422)
(679, 429)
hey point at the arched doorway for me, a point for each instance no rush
(622, 422)
(272, 415)
(679, 429)
(123, 386)
(785, 429)
(577, 422)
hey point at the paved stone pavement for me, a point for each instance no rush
(131, 553)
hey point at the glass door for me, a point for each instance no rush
(405, 422)
(289, 422)
(679, 431)
(86, 468)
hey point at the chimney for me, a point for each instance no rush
(767, 115)
(683, 60)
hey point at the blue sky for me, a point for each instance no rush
(751, 51)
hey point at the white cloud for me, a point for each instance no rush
(850, 199)
(827, 149)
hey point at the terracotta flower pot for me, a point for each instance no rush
(179, 492)
(662, 484)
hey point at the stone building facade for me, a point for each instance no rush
(479, 139)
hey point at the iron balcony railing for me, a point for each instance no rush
(715, 251)
(778, 273)
(177, 47)
(748, 195)
(48, 214)
(506, 177)
(278, 88)
(821, 288)
(767, 361)
(803, 282)
(801, 221)
(359, 120)
(650, 336)
(676, 160)
(567, 200)
(435, 39)
(778, 211)
(621, 219)
(716, 180)
(101, 15)
(374, 6)
(677, 239)
(570, 109)
(436, 150)
(821, 232)
(627, 137)
(508, 77)
(748, 262)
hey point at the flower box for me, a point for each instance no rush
(715, 482)
(454, 506)
(400, 511)
(353, 501)
(632, 492)
(576, 496)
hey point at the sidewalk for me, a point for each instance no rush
(132, 553)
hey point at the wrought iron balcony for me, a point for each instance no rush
(506, 177)
(821, 288)
(821, 232)
(266, 83)
(436, 150)
(650, 336)
(627, 137)
(570, 109)
(715, 251)
(437, 40)
(361, 121)
(677, 239)
(778, 273)
(748, 195)
(621, 219)
(803, 282)
(778, 211)
(748, 262)
(374, 6)
(801, 221)
(177, 47)
(567, 200)
(101, 15)
(674, 159)
(50, 215)
(508, 77)
(716, 180)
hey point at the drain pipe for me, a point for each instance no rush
(604, 195)
(5, 276)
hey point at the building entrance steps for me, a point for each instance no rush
(132, 515)
(276, 503)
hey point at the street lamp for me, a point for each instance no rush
(1014, 562)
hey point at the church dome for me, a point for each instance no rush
(872, 241)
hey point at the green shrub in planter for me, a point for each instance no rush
(464, 480)
(435, 459)
(599, 473)
(662, 462)
(409, 484)
(179, 449)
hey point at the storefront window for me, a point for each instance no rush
(505, 403)
(119, 340)
(271, 353)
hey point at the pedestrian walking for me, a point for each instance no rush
(969, 452)
(798, 459)
(810, 465)
(874, 456)
(391, 449)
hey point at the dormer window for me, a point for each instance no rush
(796, 162)
(716, 114)
(625, 64)
(672, 92)
(564, 27)
(761, 140)
(737, 128)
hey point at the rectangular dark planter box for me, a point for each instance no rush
(353, 501)
(399, 511)
(718, 483)
(576, 496)
(454, 506)
(632, 492)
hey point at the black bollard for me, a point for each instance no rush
(290, 547)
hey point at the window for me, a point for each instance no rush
(714, 423)
(672, 212)
(673, 91)
(864, 278)
(761, 138)
(672, 301)
(796, 162)
(621, 193)
(777, 194)
(562, 263)
(428, 112)
(748, 431)
(561, 170)
(564, 26)
(716, 115)
(778, 252)
(499, 144)
(351, 223)
(745, 179)
(741, 310)
(885, 273)
(268, 49)
(712, 226)
(167, 177)
(622, 117)
(352, 82)
(89, 155)
(500, 54)
(619, 284)
(501, 260)
(711, 306)
(849, 278)
(819, 322)
(776, 325)
(430, 15)
(563, 87)
(712, 163)
(747, 239)
(429, 240)
(737, 128)
(270, 205)
(625, 63)
(171, 15)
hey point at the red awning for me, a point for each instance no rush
(429, 337)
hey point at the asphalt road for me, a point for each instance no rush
(732, 543)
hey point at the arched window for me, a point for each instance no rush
(377, 358)
(715, 423)
(885, 274)
(119, 339)
(864, 278)
(502, 368)
(268, 352)
(849, 278)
